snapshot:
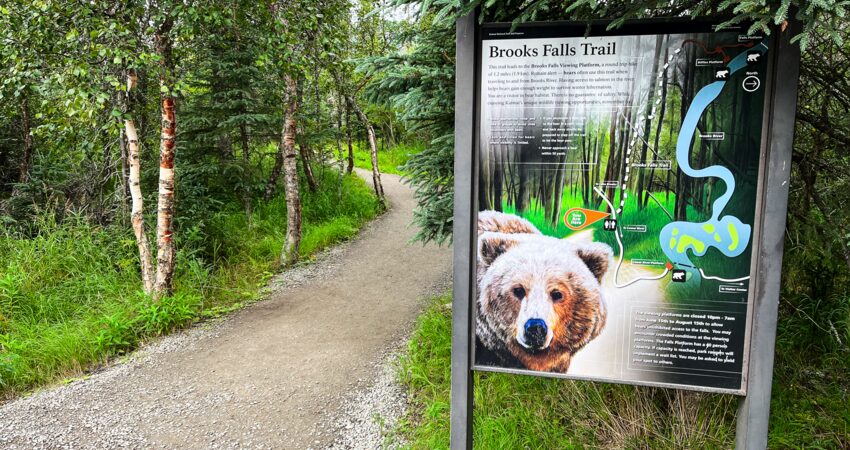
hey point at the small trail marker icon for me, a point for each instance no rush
(679, 276)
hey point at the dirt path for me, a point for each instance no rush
(271, 376)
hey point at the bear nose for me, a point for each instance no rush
(535, 333)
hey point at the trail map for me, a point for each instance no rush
(651, 145)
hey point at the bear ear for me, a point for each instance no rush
(495, 221)
(596, 256)
(492, 245)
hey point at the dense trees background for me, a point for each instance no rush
(91, 90)
(177, 148)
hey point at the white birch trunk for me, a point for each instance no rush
(373, 148)
(164, 283)
(137, 209)
(165, 203)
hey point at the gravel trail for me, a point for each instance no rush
(306, 368)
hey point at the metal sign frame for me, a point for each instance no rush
(768, 238)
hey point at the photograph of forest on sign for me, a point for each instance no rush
(617, 194)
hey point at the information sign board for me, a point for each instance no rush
(620, 201)
(618, 192)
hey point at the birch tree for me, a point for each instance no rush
(373, 146)
(292, 244)
(165, 203)
(300, 43)
(157, 281)
(137, 212)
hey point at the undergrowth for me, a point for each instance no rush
(389, 160)
(810, 407)
(70, 294)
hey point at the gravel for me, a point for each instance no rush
(368, 420)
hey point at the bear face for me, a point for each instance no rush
(539, 298)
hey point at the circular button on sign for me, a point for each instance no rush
(751, 83)
(578, 218)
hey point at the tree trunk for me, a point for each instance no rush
(597, 157)
(26, 134)
(306, 156)
(137, 209)
(658, 130)
(485, 188)
(612, 154)
(164, 284)
(340, 158)
(547, 185)
(558, 192)
(497, 179)
(647, 123)
(584, 173)
(271, 185)
(277, 168)
(225, 146)
(125, 169)
(376, 174)
(292, 245)
(373, 148)
(350, 166)
(246, 166)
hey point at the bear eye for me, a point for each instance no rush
(519, 292)
(556, 296)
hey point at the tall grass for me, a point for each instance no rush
(69, 295)
(809, 408)
(389, 160)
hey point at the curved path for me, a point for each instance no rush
(270, 376)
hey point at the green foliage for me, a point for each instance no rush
(69, 294)
(824, 17)
(117, 334)
(121, 331)
(168, 314)
(225, 236)
(419, 83)
(391, 160)
(809, 407)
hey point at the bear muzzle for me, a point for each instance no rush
(535, 334)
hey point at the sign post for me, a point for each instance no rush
(754, 408)
(463, 238)
(620, 205)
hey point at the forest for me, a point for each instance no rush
(162, 160)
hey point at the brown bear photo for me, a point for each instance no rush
(539, 298)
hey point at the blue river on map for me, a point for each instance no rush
(727, 233)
